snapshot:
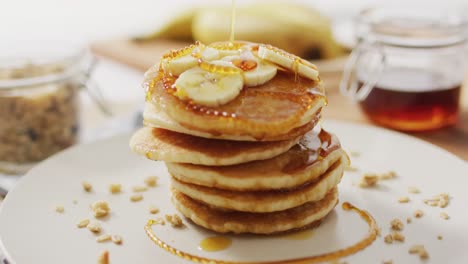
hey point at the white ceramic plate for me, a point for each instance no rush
(32, 232)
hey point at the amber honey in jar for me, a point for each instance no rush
(408, 68)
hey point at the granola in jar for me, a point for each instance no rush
(39, 113)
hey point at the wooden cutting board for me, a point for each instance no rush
(141, 56)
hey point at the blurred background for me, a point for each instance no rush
(59, 28)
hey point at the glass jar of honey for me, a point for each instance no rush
(407, 69)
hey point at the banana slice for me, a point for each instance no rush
(255, 72)
(209, 88)
(177, 66)
(289, 61)
(225, 49)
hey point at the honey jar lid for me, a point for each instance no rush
(413, 27)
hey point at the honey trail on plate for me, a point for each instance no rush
(233, 22)
(360, 245)
(215, 243)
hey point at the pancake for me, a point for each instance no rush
(264, 112)
(165, 145)
(288, 170)
(154, 117)
(264, 201)
(306, 215)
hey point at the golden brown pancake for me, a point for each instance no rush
(263, 112)
(309, 214)
(298, 165)
(264, 201)
(155, 117)
(165, 145)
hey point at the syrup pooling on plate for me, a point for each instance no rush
(330, 256)
(215, 243)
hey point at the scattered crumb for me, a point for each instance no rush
(94, 227)
(351, 168)
(439, 237)
(397, 236)
(136, 197)
(387, 175)
(104, 258)
(372, 179)
(355, 153)
(404, 199)
(83, 223)
(443, 203)
(396, 224)
(103, 238)
(368, 180)
(115, 188)
(117, 239)
(140, 189)
(151, 181)
(423, 254)
(388, 239)
(59, 209)
(387, 261)
(444, 215)
(413, 190)
(175, 220)
(408, 220)
(153, 209)
(418, 213)
(87, 187)
(379, 231)
(420, 250)
(100, 208)
(431, 203)
(440, 200)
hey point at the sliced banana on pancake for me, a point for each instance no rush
(288, 61)
(209, 88)
(255, 72)
(176, 66)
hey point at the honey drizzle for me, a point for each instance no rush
(307, 156)
(245, 65)
(330, 256)
(172, 54)
(233, 22)
(222, 46)
(215, 68)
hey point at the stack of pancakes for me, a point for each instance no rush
(258, 164)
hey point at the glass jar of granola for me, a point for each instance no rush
(39, 108)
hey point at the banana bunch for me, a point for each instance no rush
(211, 76)
(297, 29)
